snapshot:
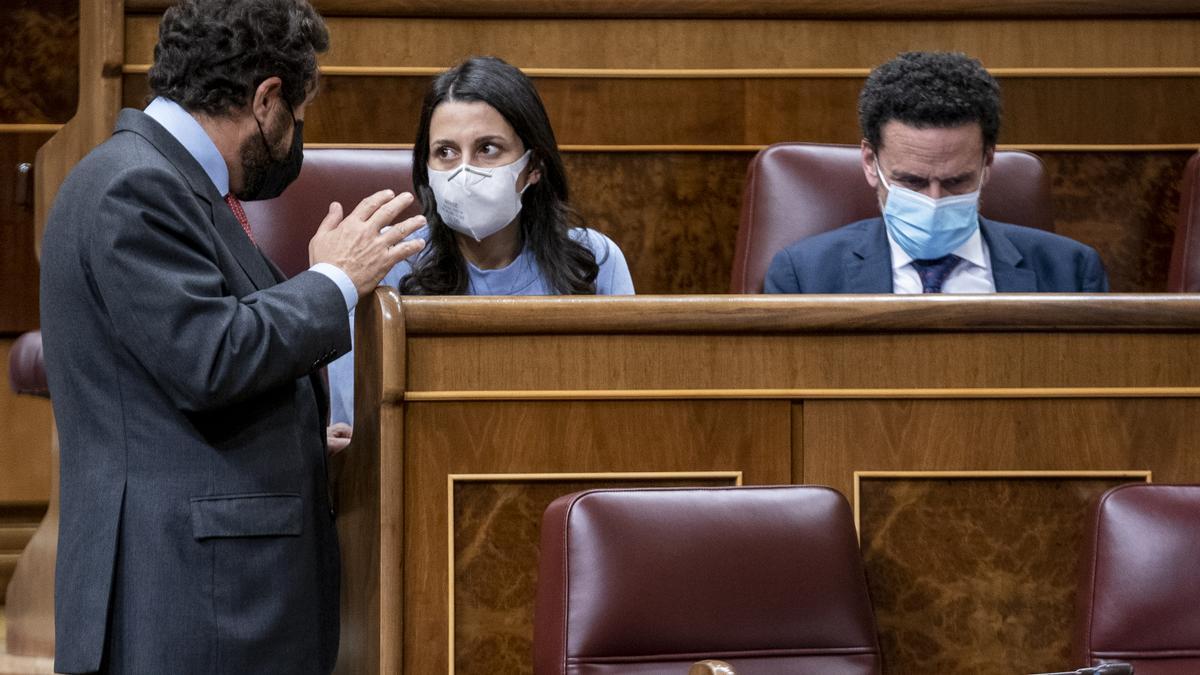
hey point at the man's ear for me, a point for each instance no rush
(268, 94)
(989, 156)
(869, 164)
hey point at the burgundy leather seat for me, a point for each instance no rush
(26, 367)
(649, 581)
(796, 190)
(1185, 255)
(1139, 592)
(283, 226)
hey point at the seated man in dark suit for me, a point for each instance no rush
(929, 123)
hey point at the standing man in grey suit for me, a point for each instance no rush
(930, 123)
(197, 533)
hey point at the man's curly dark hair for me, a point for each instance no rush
(212, 54)
(930, 90)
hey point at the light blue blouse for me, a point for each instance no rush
(520, 277)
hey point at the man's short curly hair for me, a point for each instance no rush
(930, 90)
(212, 54)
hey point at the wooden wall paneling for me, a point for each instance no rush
(1125, 206)
(541, 42)
(768, 8)
(820, 362)
(755, 111)
(494, 542)
(841, 437)
(40, 81)
(976, 574)
(18, 259)
(1028, 434)
(25, 451)
(18, 521)
(101, 43)
(674, 215)
(558, 437)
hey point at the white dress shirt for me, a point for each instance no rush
(973, 275)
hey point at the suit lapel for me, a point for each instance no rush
(223, 220)
(1007, 270)
(869, 264)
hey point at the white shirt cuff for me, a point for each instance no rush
(337, 276)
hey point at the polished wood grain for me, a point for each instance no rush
(41, 77)
(493, 549)
(813, 313)
(975, 574)
(1074, 384)
(27, 422)
(742, 43)
(101, 52)
(29, 599)
(759, 111)
(369, 477)
(767, 8)
(18, 260)
(510, 437)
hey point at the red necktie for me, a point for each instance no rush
(240, 214)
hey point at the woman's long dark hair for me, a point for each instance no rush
(569, 267)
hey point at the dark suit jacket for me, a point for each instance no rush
(196, 533)
(857, 259)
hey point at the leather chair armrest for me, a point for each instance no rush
(711, 667)
(26, 368)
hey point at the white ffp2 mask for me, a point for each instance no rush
(478, 202)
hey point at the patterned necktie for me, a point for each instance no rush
(240, 214)
(934, 272)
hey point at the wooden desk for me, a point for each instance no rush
(473, 414)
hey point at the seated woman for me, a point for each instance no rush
(486, 169)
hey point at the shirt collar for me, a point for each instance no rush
(973, 250)
(180, 124)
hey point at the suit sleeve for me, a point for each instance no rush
(153, 261)
(781, 275)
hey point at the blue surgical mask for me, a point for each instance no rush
(928, 228)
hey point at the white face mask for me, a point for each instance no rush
(478, 202)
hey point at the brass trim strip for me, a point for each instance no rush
(1146, 474)
(735, 73)
(47, 128)
(835, 394)
(452, 478)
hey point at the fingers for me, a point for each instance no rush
(332, 218)
(404, 250)
(381, 208)
(394, 234)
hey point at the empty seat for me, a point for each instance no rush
(1139, 591)
(650, 581)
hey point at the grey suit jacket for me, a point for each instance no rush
(856, 258)
(197, 534)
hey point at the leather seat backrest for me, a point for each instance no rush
(648, 581)
(283, 226)
(1139, 592)
(796, 190)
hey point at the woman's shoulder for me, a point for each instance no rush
(596, 241)
(613, 277)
